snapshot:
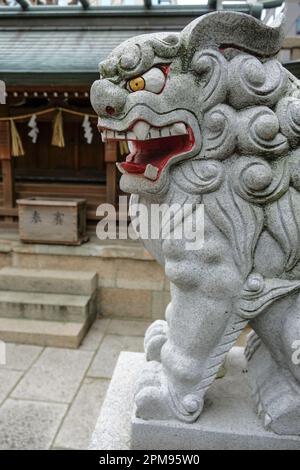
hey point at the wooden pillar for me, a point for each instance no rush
(110, 158)
(8, 185)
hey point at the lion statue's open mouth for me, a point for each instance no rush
(151, 147)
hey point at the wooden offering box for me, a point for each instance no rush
(51, 220)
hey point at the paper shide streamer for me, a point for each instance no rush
(34, 132)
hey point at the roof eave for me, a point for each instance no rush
(49, 80)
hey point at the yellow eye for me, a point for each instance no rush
(136, 84)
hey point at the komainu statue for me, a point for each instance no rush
(212, 117)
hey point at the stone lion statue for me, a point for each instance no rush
(213, 118)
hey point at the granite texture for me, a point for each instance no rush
(234, 112)
(106, 358)
(228, 420)
(113, 428)
(47, 399)
(55, 376)
(75, 432)
(29, 425)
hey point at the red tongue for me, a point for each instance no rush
(156, 152)
(133, 167)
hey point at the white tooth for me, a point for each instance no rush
(141, 129)
(103, 136)
(110, 134)
(154, 133)
(178, 128)
(120, 168)
(130, 146)
(130, 136)
(165, 132)
(151, 172)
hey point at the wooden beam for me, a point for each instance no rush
(110, 152)
(110, 158)
(6, 211)
(8, 185)
(5, 153)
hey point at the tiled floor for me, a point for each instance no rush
(51, 397)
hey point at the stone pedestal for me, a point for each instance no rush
(228, 421)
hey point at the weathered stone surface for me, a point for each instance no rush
(49, 307)
(111, 260)
(127, 328)
(113, 427)
(125, 302)
(95, 335)
(103, 249)
(5, 259)
(122, 290)
(105, 360)
(82, 411)
(43, 333)
(77, 262)
(217, 126)
(26, 425)
(242, 340)
(140, 275)
(228, 422)
(20, 357)
(55, 376)
(41, 306)
(48, 281)
(78, 426)
(160, 301)
(8, 379)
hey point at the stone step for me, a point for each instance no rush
(43, 333)
(48, 281)
(48, 307)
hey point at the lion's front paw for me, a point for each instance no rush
(151, 397)
(154, 399)
(155, 338)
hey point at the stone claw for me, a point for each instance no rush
(155, 338)
(154, 401)
(149, 376)
(151, 396)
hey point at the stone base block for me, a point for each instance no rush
(229, 420)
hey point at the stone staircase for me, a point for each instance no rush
(46, 307)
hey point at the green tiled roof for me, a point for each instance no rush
(55, 56)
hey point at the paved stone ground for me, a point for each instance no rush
(50, 398)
